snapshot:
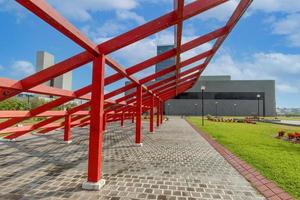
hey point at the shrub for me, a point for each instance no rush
(36, 102)
(291, 136)
(281, 133)
(14, 104)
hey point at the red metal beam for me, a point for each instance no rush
(14, 85)
(151, 115)
(139, 103)
(178, 7)
(241, 8)
(49, 15)
(96, 127)
(157, 25)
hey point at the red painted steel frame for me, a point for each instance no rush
(138, 134)
(151, 114)
(101, 108)
(96, 127)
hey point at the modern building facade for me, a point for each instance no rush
(222, 96)
(226, 97)
(45, 60)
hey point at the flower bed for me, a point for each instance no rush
(234, 120)
(291, 137)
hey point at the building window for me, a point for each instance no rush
(221, 95)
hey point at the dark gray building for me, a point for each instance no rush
(222, 96)
(226, 97)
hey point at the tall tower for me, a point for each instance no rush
(166, 63)
(45, 60)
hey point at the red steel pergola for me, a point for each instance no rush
(99, 107)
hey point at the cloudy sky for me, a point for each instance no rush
(264, 45)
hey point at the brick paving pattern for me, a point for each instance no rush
(174, 163)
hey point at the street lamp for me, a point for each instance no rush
(258, 97)
(216, 108)
(202, 100)
(235, 105)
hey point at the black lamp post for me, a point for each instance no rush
(195, 108)
(217, 109)
(258, 97)
(202, 100)
(235, 106)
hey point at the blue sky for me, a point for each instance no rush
(264, 45)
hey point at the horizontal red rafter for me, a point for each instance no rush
(49, 15)
(40, 89)
(179, 4)
(17, 130)
(157, 25)
(13, 113)
(46, 130)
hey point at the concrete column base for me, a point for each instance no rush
(93, 186)
(68, 142)
(138, 144)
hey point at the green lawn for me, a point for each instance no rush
(276, 159)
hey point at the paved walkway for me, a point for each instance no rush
(174, 163)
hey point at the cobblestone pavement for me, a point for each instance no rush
(175, 163)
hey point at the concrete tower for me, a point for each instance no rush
(166, 63)
(45, 60)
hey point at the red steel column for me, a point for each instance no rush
(138, 135)
(104, 121)
(132, 119)
(67, 132)
(157, 112)
(151, 114)
(161, 112)
(94, 181)
(122, 119)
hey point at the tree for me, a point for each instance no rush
(14, 104)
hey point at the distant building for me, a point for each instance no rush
(226, 97)
(166, 63)
(222, 97)
(45, 60)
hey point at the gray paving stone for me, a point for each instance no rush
(174, 163)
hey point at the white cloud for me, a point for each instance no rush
(129, 15)
(284, 68)
(12, 6)
(81, 10)
(225, 10)
(22, 68)
(268, 6)
(288, 26)
(221, 12)
(106, 31)
(146, 48)
(285, 88)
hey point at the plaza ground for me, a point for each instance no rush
(276, 159)
(174, 163)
